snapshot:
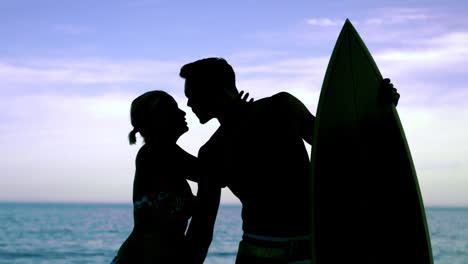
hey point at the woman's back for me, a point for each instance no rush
(163, 203)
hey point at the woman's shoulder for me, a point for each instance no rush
(151, 154)
(148, 170)
(162, 168)
(142, 153)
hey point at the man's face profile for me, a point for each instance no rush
(199, 100)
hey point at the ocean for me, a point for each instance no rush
(55, 233)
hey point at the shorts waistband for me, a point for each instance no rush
(267, 249)
(276, 239)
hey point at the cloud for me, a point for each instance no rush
(72, 29)
(435, 67)
(422, 49)
(428, 70)
(253, 56)
(399, 16)
(79, 76)
(389, 16)
(383, 26)
(324, 22)
(396, 16)
(296, 66)
(97, 76)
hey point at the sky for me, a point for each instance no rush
(70, 69)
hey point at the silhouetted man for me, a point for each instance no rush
(259, 153)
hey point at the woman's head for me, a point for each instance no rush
(155, 115)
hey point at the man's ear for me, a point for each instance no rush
(229, 94)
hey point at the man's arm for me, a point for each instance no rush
(306, 120)
(200, 231)
(299, 111)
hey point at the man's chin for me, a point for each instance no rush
(203, 117)
(203, 120)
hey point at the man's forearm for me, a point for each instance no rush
(200, 232)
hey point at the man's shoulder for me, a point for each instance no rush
(284, 97)
(274, 103)
(281, 97)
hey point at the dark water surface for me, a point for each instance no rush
(92, 233)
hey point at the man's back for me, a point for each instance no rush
(260, 155)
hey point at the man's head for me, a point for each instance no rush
(209, 84)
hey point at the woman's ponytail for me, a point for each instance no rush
(132, 136)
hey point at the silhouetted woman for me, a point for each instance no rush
(162, 199)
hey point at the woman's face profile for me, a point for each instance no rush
(170, 119)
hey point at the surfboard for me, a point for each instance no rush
(367, 205)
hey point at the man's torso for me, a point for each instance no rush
(262, 159)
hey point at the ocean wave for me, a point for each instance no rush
(48, 255)
(222, 254)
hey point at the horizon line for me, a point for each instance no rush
(129, 203)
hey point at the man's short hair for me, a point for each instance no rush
(213, 71)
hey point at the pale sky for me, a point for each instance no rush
(70, 69)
